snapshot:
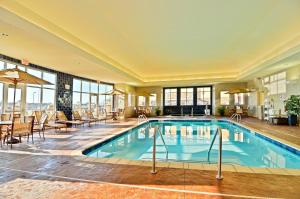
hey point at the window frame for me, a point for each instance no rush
(170, 97)
(221, 101)
(187, 91)
(203, 95)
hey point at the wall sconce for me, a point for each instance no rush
(67, 86)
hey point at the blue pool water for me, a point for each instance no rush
(188, 141)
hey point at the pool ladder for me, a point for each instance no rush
(218, 131)
(142, 117)
(157, 129)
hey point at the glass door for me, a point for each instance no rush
(94, 104)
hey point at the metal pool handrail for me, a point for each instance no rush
(142, 117)
(218, 131)
(154, 171)
(167, 155)
(211, 144)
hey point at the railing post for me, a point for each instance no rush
(219, 174)
(153, 171)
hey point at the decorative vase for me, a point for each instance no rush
(292, 120)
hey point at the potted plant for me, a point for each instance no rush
(292, 106)
(157, 111)
(221, 110)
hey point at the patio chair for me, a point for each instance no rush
(4, 128)
(5, 117)
(40, 127)
(3, 135)
(61, 118)
(77, 117)
(37, 115)
(16, 117)
(22, 129)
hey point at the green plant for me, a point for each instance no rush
(221, 110)
(292, 105)
(157, 111)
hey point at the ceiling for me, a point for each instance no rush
(154, 42)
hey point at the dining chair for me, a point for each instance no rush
(40, 127)
(22, 129)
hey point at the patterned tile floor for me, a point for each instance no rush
(51, 169)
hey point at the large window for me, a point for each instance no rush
(1, 89)
(170, 97)
(1, 98)
(276, 84)
(36, 97)
(224, 98)
(85, 95)
(203, 96)
(10, 100)
(152, 100)
(142, 101)
(129, 103)
(40, 97)
(186, 96)
(105, 99)
(239, 99)
(121, 101)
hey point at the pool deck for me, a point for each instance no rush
(54, 168)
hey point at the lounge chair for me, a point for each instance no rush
(61, 118)
(51, 123)
(77, 117)
(91, 116)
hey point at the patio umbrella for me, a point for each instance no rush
(16, 76)
(114, 92)
(240, 90)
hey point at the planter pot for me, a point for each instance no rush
(292, 120)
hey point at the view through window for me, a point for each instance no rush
(203, 96)
(170, 97)
(186, 96)
(224, 98)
